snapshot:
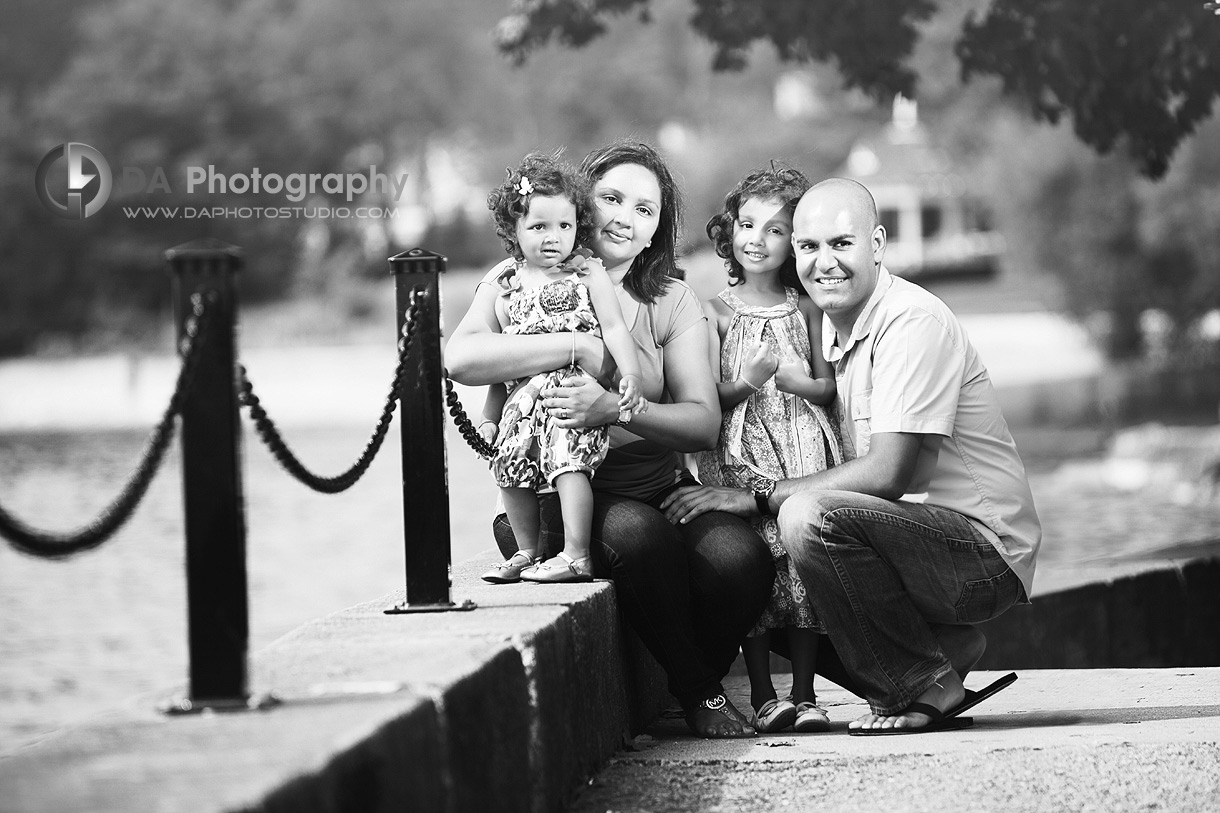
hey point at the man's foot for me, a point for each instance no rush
(963, 645)
(717, 718)
(938, 718)
(941, 696)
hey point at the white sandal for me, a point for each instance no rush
(563, 568)
(811, 718)
(509, 570)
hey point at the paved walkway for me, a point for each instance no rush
(1056, 740)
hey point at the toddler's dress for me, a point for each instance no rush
(530, 449)
(772, 434)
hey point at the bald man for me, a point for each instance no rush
(931, 528)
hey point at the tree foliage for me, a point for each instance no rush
(867, 40)
(1144, 70)
(1147, 71)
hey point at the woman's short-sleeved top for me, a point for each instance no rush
(636, 467)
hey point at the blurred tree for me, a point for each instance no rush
(1147, 71)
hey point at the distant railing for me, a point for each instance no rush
(211, 388)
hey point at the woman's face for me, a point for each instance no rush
(627, 202)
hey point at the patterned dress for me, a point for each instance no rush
(531, 451)
(771, 434)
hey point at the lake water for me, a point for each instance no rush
(82, 635)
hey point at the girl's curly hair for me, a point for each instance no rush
(783, 184)
(546, 175)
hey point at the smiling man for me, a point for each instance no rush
(931, 529)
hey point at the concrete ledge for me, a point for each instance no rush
(1135, 614)
(520, 701)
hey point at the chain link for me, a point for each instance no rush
(274, 441)
(465, 426)
(47, 545)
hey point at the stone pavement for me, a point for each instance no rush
(1056, 740)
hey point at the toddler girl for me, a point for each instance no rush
(775, 389)
(542, 212)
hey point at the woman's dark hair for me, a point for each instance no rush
(785, 185)
(652, 269)
(546, 175)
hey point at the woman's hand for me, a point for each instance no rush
(688, 502)
(592, 357)
(759, 365)
(580, 402)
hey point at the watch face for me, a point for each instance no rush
(764, 486)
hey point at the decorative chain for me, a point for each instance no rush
(460, 419)
(271, 436)
(59, 546)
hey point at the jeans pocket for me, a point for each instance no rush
(983, 599)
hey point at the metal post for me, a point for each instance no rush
(217, 614)
(425, 470)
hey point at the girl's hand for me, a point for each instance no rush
(792, 378)
(488, 431)
(579, 402)
(630, 395)
(759, 365)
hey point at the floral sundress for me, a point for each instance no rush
(531, 451)
(771, 434)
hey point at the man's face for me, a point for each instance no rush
(838, 253)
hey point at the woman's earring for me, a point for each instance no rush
(648, 244)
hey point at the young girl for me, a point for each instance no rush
(775, 389)
(542, 211)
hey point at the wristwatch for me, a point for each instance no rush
(624, 418)
(763, 489)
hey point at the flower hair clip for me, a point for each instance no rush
(524, 187)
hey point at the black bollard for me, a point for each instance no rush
(425, 469)
(217, 612)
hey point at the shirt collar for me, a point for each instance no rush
(831, 348)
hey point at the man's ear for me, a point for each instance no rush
(878, 239)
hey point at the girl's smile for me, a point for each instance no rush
(762, 235)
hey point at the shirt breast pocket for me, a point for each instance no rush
(861, 419)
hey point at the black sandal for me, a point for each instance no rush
(714, 711)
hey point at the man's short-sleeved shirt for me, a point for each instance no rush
(908, 366)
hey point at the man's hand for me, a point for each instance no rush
(688, 502)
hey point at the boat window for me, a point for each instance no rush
(929, 221)
(889, 219)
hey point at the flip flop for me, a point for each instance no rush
(950, 720)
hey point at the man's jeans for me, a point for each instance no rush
(883, 576)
